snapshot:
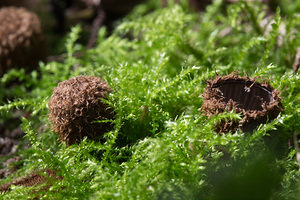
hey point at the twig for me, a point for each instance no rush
(296, 61)
(297, 147)
(97, 23)
(62, 57)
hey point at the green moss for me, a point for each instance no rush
(157, 62)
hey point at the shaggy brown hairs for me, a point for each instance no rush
(21, 39)
(74, 106)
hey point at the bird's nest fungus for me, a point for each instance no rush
(257, 102)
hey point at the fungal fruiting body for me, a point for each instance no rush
(75, 107)
(257, 102)
(21, 39)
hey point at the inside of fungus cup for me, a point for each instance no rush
(248, 95)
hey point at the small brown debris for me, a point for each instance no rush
(257, 102)
(8, 146)
(76, 104)
(10, 166)
(33, 179)
(297, 61)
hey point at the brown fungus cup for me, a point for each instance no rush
(257, 102)
(75, 106)
(22, 44)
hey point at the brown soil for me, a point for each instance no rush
(10, 166)
(9, 140)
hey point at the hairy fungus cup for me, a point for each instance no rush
(21, 39)
(75, 106)
(257, 102)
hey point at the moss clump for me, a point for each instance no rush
(257, 102)
(76, 104)
(21, 39)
